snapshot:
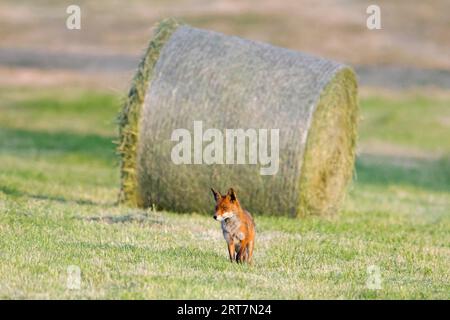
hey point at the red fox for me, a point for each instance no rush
(238, 226)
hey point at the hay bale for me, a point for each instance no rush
(189, 74)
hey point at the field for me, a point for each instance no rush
(60, 93)
(58, 188)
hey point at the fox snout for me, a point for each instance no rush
(223, 215)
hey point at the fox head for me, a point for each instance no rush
(226, 206)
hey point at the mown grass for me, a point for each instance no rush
(59, 180)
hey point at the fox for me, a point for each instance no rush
(238, 226)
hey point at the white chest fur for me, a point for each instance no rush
(231, 230)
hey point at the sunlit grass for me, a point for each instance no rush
(413, 121)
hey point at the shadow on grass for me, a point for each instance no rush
(66, 146)
(430, 174)
(18, 193)
(28, 142)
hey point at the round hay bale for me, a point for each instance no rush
(223, 82)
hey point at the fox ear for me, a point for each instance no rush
(216, 194)
(232, 194)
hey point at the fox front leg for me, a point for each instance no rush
(250, 251)
(242, 254)
(231, 250)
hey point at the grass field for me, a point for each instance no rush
(59, 182)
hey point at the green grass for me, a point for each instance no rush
(412, 121)
(59, 181)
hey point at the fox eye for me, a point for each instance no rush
(224, 208)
